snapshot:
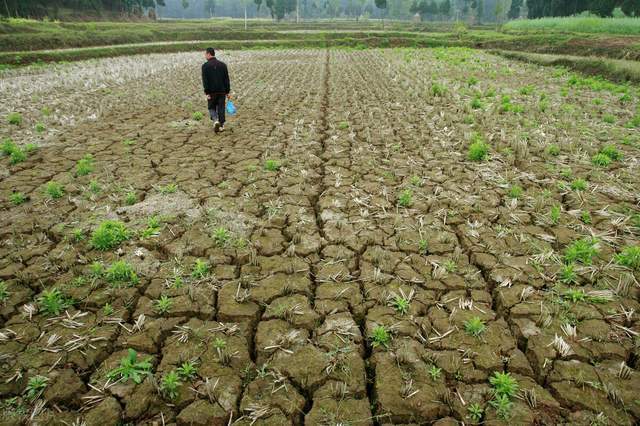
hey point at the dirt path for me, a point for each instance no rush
(334, 257)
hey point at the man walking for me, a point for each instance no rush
(215, 79)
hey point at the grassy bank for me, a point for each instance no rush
(613, 69)
(588, 25)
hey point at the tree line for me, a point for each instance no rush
(52, 8)
(543, 8)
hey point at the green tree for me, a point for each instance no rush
(514, 11)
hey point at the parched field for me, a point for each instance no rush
(381, 237)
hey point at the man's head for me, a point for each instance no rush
(209, 53)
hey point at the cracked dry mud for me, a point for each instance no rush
(306, 260)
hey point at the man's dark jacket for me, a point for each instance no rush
(215, 78)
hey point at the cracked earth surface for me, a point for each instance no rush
(285, 246)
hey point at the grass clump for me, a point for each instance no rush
(169, 188)
(612, 152)
(400, 304)
(515, 191)
(109, 234)
(17, 198)
(200, 269)
(553, 150)
(130, 198)
(554, 214)
(271, 165)
(197, 116)
(478, 150)
(163, 304)
(405, 199)
(221, 236)
(579, 185)
(601, 160)
(84, 165)
(53, 302)
(131, 369)
(4, 292)
(380, 336)
(474, 327)
(568, 275)
(582, 251)
(35, 387)
(14, 118)
(629, 257)
(169, 385)
(505, 388)
(54, 190)
(120, 273)
(187, 370)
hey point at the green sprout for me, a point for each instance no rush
(515, 192)
(554, 214)
(131, 369)
(503, 384)
(629, 257)
(187, 370)
(121, 273)
(582, 251)
(197, 115)
(474, 327)
(200, 269)
(475, 412)
(380, 337)
(14, 118)
(163, 304)
(167, 189)
(4, 292)
(400, 304)
(109, 234)
(53, 302)
(478, 150)
(17, 198)
(601, 160)
(221, 236)
(435, 372)
(35, 387)
(553, 150)
(169, 385)
(84, 165)
(502, 405)
(405, 199)
(568, 275)
(272, 165)
(579, 185)
(130, 198)
(54, 190)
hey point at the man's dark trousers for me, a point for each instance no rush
(217, 106)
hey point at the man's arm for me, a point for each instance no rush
(227, 83)
(205, 81)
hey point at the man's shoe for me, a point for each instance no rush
(221, 129)
(216, 126)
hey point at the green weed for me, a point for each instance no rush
(4, 292)
(478, 151)
(380, 337)
(601, 160)
(121, 273)
(579, 185)
(163, 304)
(130, 198)
(39, 128)
(169, 385)
(474, 327)
(35, 387)
(271, 165)
(405, 199)
(197, 116)
(515, 192)
(187, 370)
(54, 190)
(167, 189)
(17, 198)
(221, 236)
(612, 152)
(400, 304)
(475, 412)
(84, 165)
(554, 214)
(503, 384)
(14, 118)
(200, 269)
(53, 302)
(553, 150)
(435, 373)
(568, 275)
(629, 257)
(131, 369)
(582, 251)
(109, 234)
(154, 226)
(502, 405)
